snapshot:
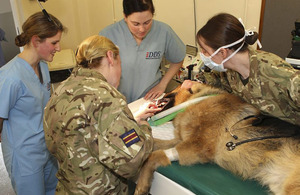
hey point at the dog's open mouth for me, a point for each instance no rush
(162, 103)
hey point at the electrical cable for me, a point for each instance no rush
(44, 11)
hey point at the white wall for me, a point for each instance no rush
(179, 15)
(82, 17)
(247, 10)
(87, 17)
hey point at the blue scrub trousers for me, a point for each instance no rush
(41, 183)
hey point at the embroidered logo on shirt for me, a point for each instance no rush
(153, 55)
(130, 137)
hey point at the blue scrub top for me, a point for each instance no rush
(22, 101)
(141, 63)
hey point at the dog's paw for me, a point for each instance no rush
(143, 183)
(142, 189)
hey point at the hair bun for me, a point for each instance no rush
(20, 40)
(84, 63)
(251, 39)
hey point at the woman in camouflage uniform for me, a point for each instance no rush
(89, 128)
(260, 78)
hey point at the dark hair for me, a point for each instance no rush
(38, 24)
(223, 29)
(131, 6)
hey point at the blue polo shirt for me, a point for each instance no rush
(22, 102)
(141, 63)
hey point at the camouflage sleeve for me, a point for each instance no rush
(295, 96)
(210, 78)
(281, 84)
(123, 144)
(295, 88)
(285, 78)
(215, 79)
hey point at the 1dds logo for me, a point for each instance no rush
(153, 55)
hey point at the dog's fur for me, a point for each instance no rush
(203, 130)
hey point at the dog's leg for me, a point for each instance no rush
(187, 152)
(292, 184)
(194, 151)
(165, 144)
(156, 159)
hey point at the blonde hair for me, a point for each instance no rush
(91, 51)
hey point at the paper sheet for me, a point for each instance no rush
(164, 131)
(135, 106)
(140, 104)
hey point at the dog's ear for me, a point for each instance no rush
(178, 95)
(173, 92)
(182, 96)
(170, 95)
(196, 88)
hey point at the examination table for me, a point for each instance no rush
(203, 179)
(199, 179)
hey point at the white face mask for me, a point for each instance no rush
(220, 67)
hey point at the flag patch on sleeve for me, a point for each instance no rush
(130, 137)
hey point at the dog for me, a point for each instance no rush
(225, 130)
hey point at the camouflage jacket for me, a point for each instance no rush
(273, 86)
(92, 133)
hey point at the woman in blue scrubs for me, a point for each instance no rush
(24, 92)
(143, 42)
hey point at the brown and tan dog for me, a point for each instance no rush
(225, 130)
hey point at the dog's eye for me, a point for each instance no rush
(190, 90)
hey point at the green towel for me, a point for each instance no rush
(164, 119)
